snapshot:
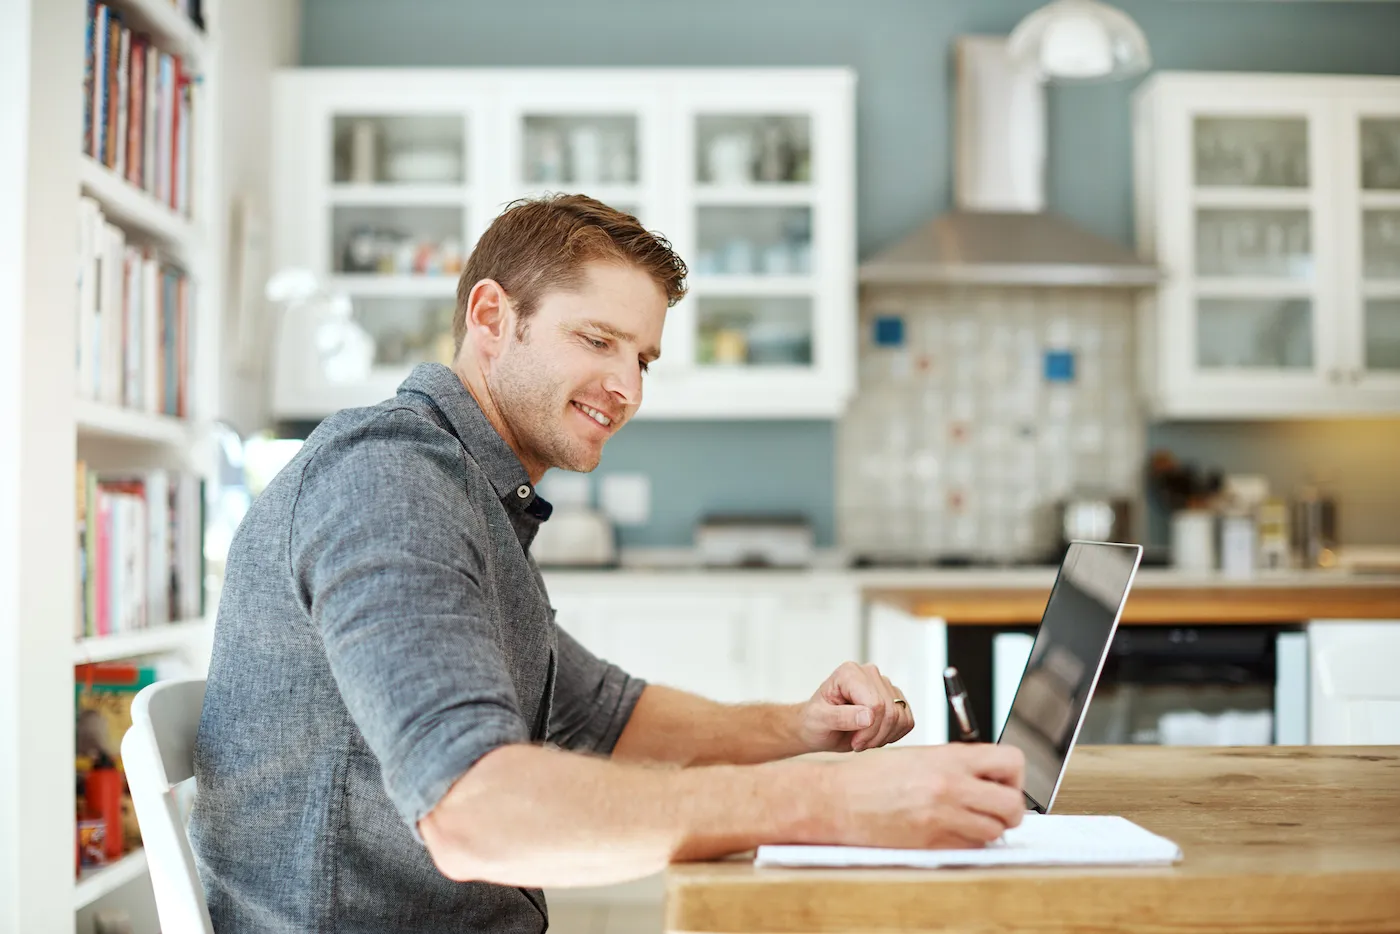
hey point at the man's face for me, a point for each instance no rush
(576, 377)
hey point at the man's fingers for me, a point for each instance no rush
(999, 802)
(973, 828)
(860, 687)
(852, 684)
(846, 717)
(895, 713)
(997, 763)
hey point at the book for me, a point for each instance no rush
(130, 339)
(89, 69)
(1040, 840)
(140, 540)
(139, 108)
(97, 139)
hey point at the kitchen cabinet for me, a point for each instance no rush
(386, 178)
(771, 644)
(1272, 203)
(1355, 692)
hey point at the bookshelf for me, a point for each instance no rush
(96, 420)
(157, 640)
(51, 419)
(133, 209)
(94, 884)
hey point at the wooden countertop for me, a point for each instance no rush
(1297, 839)
(1198, 604)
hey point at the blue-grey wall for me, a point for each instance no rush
(900, 50)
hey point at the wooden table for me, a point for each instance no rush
(1296, 839)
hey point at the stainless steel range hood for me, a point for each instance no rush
(1000, 233)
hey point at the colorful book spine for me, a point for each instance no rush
(139, 109)
(140, 550)
(98, 31)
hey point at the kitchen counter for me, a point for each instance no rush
(1268, 842)
(994, 596)
(1159, 595)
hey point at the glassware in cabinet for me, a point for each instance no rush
(1254, 333)
(580, 149)
(748, 149)
(767, 240)
(415, 149)
(754, 331)
(1252, 152)
(1254, 243)
(397, 240)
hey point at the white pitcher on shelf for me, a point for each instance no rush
(323, 321)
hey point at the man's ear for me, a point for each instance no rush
(490, 317)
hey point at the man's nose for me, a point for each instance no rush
(625, 382)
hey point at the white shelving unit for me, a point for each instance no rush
(157, 640)
(749, 172)
(94, 884)
(133, 209)
(48, 429)
(96, 420)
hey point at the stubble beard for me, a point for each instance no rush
(531, 401)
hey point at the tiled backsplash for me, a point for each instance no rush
(978, 409)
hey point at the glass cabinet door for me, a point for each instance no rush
(399, 215)
(1255, 237)
(598, 141)
(750, 231)
(1379, 171)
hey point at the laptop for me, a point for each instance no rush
(1065, 661)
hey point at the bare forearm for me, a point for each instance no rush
(528, 816)
(671, 726)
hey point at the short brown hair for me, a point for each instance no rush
(538, 244)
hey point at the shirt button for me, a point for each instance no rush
(522, 491)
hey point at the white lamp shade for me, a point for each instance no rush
(1080, 40)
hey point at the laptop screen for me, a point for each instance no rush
(1069, 651)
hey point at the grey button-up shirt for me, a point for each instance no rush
(382, 627)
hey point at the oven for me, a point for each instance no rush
(1199, 685)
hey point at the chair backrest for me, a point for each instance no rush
(158, 755)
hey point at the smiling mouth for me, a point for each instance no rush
(594, 414)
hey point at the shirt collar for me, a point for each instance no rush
(478, 436)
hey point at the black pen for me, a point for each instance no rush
(962, 709)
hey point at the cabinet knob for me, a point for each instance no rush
(1356, 376)
(1334, 375)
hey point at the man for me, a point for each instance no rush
(396, 737)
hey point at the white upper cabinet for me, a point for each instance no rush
(1370, 208)
(386, 178)
(1263, 198)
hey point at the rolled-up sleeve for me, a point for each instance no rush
(593, 699)
(386, 553)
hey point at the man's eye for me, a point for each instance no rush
(596, 343)
(646, 367)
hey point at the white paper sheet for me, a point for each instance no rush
(1041, 840)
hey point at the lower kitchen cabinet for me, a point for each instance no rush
(775, 644)
(729, 644)
(1355, 692)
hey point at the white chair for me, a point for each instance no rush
(158, 754)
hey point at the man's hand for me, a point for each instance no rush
(856, 708)
(959, 795)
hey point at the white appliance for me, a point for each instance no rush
(1287, 711)
(575, 536)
